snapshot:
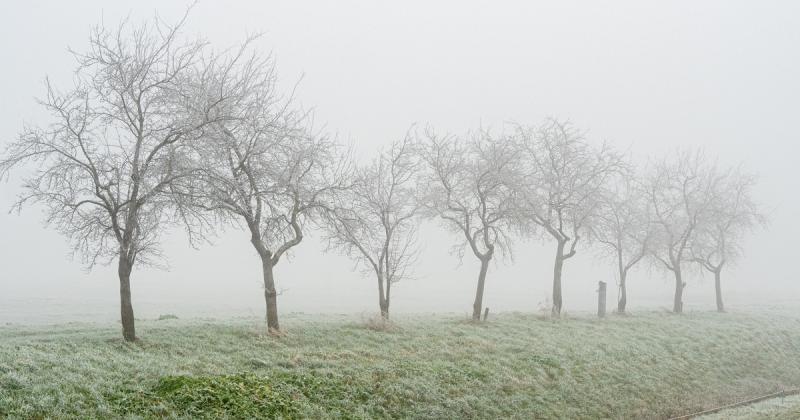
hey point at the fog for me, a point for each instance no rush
(649, 77)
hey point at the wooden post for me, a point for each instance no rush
(601, 300)
(485, 314)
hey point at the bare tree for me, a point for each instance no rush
(374, 222)
(679, 189)
(624, 227)
(732, 213)
(468, 186)
(115, 155)
(264, 168)
(561, 185)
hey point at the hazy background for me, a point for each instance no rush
(647, 75)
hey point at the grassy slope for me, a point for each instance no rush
(650, 365)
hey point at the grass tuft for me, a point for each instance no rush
(223, 396)
(379, 323)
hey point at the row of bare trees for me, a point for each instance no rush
(159, 131)
(548, 181)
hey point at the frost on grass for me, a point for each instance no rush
(648, 365)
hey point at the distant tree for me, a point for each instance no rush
(732, 213)
(264, 168)
(562, 180)
(374, 221)
(115, 157)
(679, 189)
(467, 185)
(624, 227)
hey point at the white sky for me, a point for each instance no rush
(647, 75)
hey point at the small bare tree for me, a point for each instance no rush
(468, 185)
(114, 159)
(374, 221)
(562, 178)
(732, 213)
(679, 189)
(623, 226)
(264, 168)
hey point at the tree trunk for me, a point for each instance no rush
(557, 279)
(623, 292)
(126, 307)
(383, 297)
(677, 306)
(478, 305)
(718, 287)
(384, 305)
(270, 295)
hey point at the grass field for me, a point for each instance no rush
(649, 365)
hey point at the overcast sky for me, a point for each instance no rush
(649, 76)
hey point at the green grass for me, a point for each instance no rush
(650, 366)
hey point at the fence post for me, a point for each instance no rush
(601, 300)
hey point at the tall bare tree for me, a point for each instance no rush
(732, 213)
(679, 188)
(264, 168)
(623, 226)
(115, 155)
(468, 186)
(562, 179)
(374, 221)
